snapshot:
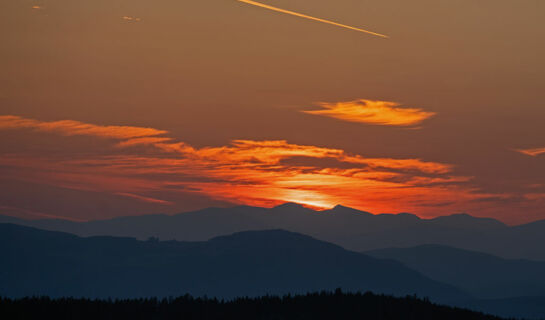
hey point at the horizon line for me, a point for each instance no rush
(300, 205)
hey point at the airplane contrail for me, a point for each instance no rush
(262, 5)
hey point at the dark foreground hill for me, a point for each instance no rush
(317, 306)
(38, 262)
(350, 228)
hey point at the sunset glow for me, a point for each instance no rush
(137, 107)
(241, 148)
(258, 173)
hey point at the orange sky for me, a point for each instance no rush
(117, 107)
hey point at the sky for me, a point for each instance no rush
(127, 107)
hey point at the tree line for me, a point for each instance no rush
(315, 306)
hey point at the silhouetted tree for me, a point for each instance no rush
(315, 306)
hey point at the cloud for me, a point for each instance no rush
(142, 141)
(532, 152)
(271, 152)
(76, 128)
(131, 19)
(262, 173)
(265, 6)
(34, 214)
(535, 196)
(143, 198)
(373, 112)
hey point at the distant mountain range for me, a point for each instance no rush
(349, 228)
(254, 263)
(38, 262)
(482, 275)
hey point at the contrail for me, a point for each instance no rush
(311, 18)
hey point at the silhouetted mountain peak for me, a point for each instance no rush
(261, 234)
(340, 209)
(277, 239)
(483, 275)
(408, 215)
(465, 220)
(461, 215)
(290, 206)
(532, 226)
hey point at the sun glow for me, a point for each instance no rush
(249, 172)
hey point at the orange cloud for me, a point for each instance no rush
(373, 112)
(131, 19)
(76, 128)
(272, 152)
(143, 141)
(532, 152)
(262, 173)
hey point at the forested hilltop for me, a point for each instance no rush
(324, 305)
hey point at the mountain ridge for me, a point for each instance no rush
(251, 263)
(245, 264)
(350, 228)
(483, 275)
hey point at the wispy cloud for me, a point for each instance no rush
(131, 19)
(76, 128)
(373, 112)
(300, 15)
(143, 198)
(532, 152)
(142, 141)
(263, 173)
(36, 214)
(272, 152)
